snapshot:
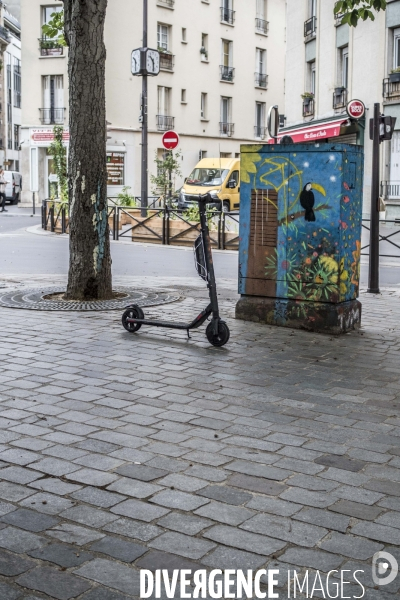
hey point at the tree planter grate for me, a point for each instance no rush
(34, 299)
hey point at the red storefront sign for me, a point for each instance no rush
(313, 133)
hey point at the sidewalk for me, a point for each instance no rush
(120, 452)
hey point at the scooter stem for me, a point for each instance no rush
(212, 288)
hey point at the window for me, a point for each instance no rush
(261, 56)
(261, 9)
(260, 120)
(396, 48)
(16, 137)
(226, 53)
(48, 11)
(17, 83)
(311, 77)
(226, 104)
(227, 12)
(53, 100)
(203, 109)
(343, 70)
(163, 36)
(163, 100)
(184, 35)
(9, 102)
(204, 46)
(183, 96)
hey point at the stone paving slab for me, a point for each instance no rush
(120, 452)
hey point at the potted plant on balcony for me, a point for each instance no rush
(394, 76)
(204, 53)
(307, 98)
(50, 47)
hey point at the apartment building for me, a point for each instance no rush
(222, 66)
(329, 64)
(12, 93)
(4, 42)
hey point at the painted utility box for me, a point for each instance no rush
(300, 235)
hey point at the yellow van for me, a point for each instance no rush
(218, 176)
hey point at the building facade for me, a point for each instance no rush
(329, 64)
(12, 94)
(222, 66)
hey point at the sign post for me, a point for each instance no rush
(170, 141)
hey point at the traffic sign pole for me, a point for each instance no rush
(373, 274)
(145, 156)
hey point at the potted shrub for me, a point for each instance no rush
(394, 76)
(307, 98)
(204, 53)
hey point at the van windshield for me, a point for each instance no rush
(207, 177)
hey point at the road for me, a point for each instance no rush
(23, 252)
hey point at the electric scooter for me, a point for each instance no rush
(217, 331)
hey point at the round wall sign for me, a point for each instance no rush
(355, 109)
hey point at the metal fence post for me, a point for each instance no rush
(52, 218)
(116, 229)
(167, 224)
(63, 228)
(44, 215)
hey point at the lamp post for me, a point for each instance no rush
(145, 157)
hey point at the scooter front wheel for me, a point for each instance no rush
(133, 312)
(221, 338)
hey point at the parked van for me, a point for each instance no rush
(13, 186)
(218, 176)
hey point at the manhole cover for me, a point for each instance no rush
(34, 299)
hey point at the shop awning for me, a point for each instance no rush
(308, 132)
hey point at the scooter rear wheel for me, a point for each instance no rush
(133, 312)
(222, 337)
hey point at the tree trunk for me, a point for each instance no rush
(89, 241)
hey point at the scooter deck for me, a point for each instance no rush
(166, 324)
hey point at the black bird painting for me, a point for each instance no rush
(307, 201)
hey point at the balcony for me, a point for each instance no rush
(227, 129)
(310, 27)
(227, 16)
(52, 116)
(391, 87)
(261, 80)
(338, 19)
(260, 132)
(390, 190)
(227, 74)
(308, 107)
(339, 98)
(4, 36)
(262, 26)
(166, 61)
(166, 3)
(50, 47)
(165, 123)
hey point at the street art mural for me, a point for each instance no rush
(300, 227)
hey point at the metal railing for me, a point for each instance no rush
(166, 61)
(310, 27)
(164, 123)
(169, 3)
(52, 116)
(161, 224)
(390, 189)
(262, 26)
(384, 238)
(227, 15)
(391, 89)
(50, 47)
(227, 73)
(261, 79)
(260, 132)
(227, 129)
(4, 34)
(339, 98)
(308, 107)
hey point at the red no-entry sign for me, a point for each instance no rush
(170, 140)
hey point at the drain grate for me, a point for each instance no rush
(33, 299)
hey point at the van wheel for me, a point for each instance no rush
(15, 200)
(225, 207)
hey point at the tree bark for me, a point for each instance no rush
(89, 274)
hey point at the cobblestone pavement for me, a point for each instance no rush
(121, 451)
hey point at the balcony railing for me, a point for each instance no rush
(260, 132)
(227, 129)
(262, 26)
(390, 189)
(310, 27)
(308, 107)
(168, 3)
(338, 18)
(227, 15)
(164, 123)
(261, 80)
(52, 116)
(50, 47)
(227, 73)
(166, 61)
(391, 87)
(339, 98)
(4, 34)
